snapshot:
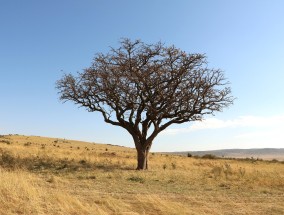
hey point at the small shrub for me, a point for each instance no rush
(223, 185)
(274, 161)
(91, 177)
(252, 159)
(174, 166)
(136, 179)
(165, 166)
(265, 192)
(83, 162)
(7, 160)
(189, 155)
(209, 156)
(27, 144)
(6, 141)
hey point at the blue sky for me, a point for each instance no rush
(42, 40)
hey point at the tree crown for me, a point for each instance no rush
(140, 86)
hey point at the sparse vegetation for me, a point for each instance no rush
(27, 144)
(174, 166)
(209, 156)
(79, 181)
(6, 142)
(136, 179)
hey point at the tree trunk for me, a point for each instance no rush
(142, 159)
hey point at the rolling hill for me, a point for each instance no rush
(264, 153)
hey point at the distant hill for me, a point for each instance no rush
(265, 153)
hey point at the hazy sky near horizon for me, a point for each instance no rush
(42, 40)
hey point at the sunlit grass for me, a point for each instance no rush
(56, 176)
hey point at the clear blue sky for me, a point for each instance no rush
(40, 40)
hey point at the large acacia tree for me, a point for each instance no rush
(145, 88)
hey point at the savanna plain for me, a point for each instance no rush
(56, 176)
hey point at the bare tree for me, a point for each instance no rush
(146, 88)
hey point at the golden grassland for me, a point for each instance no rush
(57, 176)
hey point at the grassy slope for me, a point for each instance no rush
(50, 176)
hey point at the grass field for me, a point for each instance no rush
(57, 176)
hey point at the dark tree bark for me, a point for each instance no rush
(146, 88)
(142, 159)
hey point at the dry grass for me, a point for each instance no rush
(54, 176)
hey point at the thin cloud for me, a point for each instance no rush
(272, 132)
(243, 121)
